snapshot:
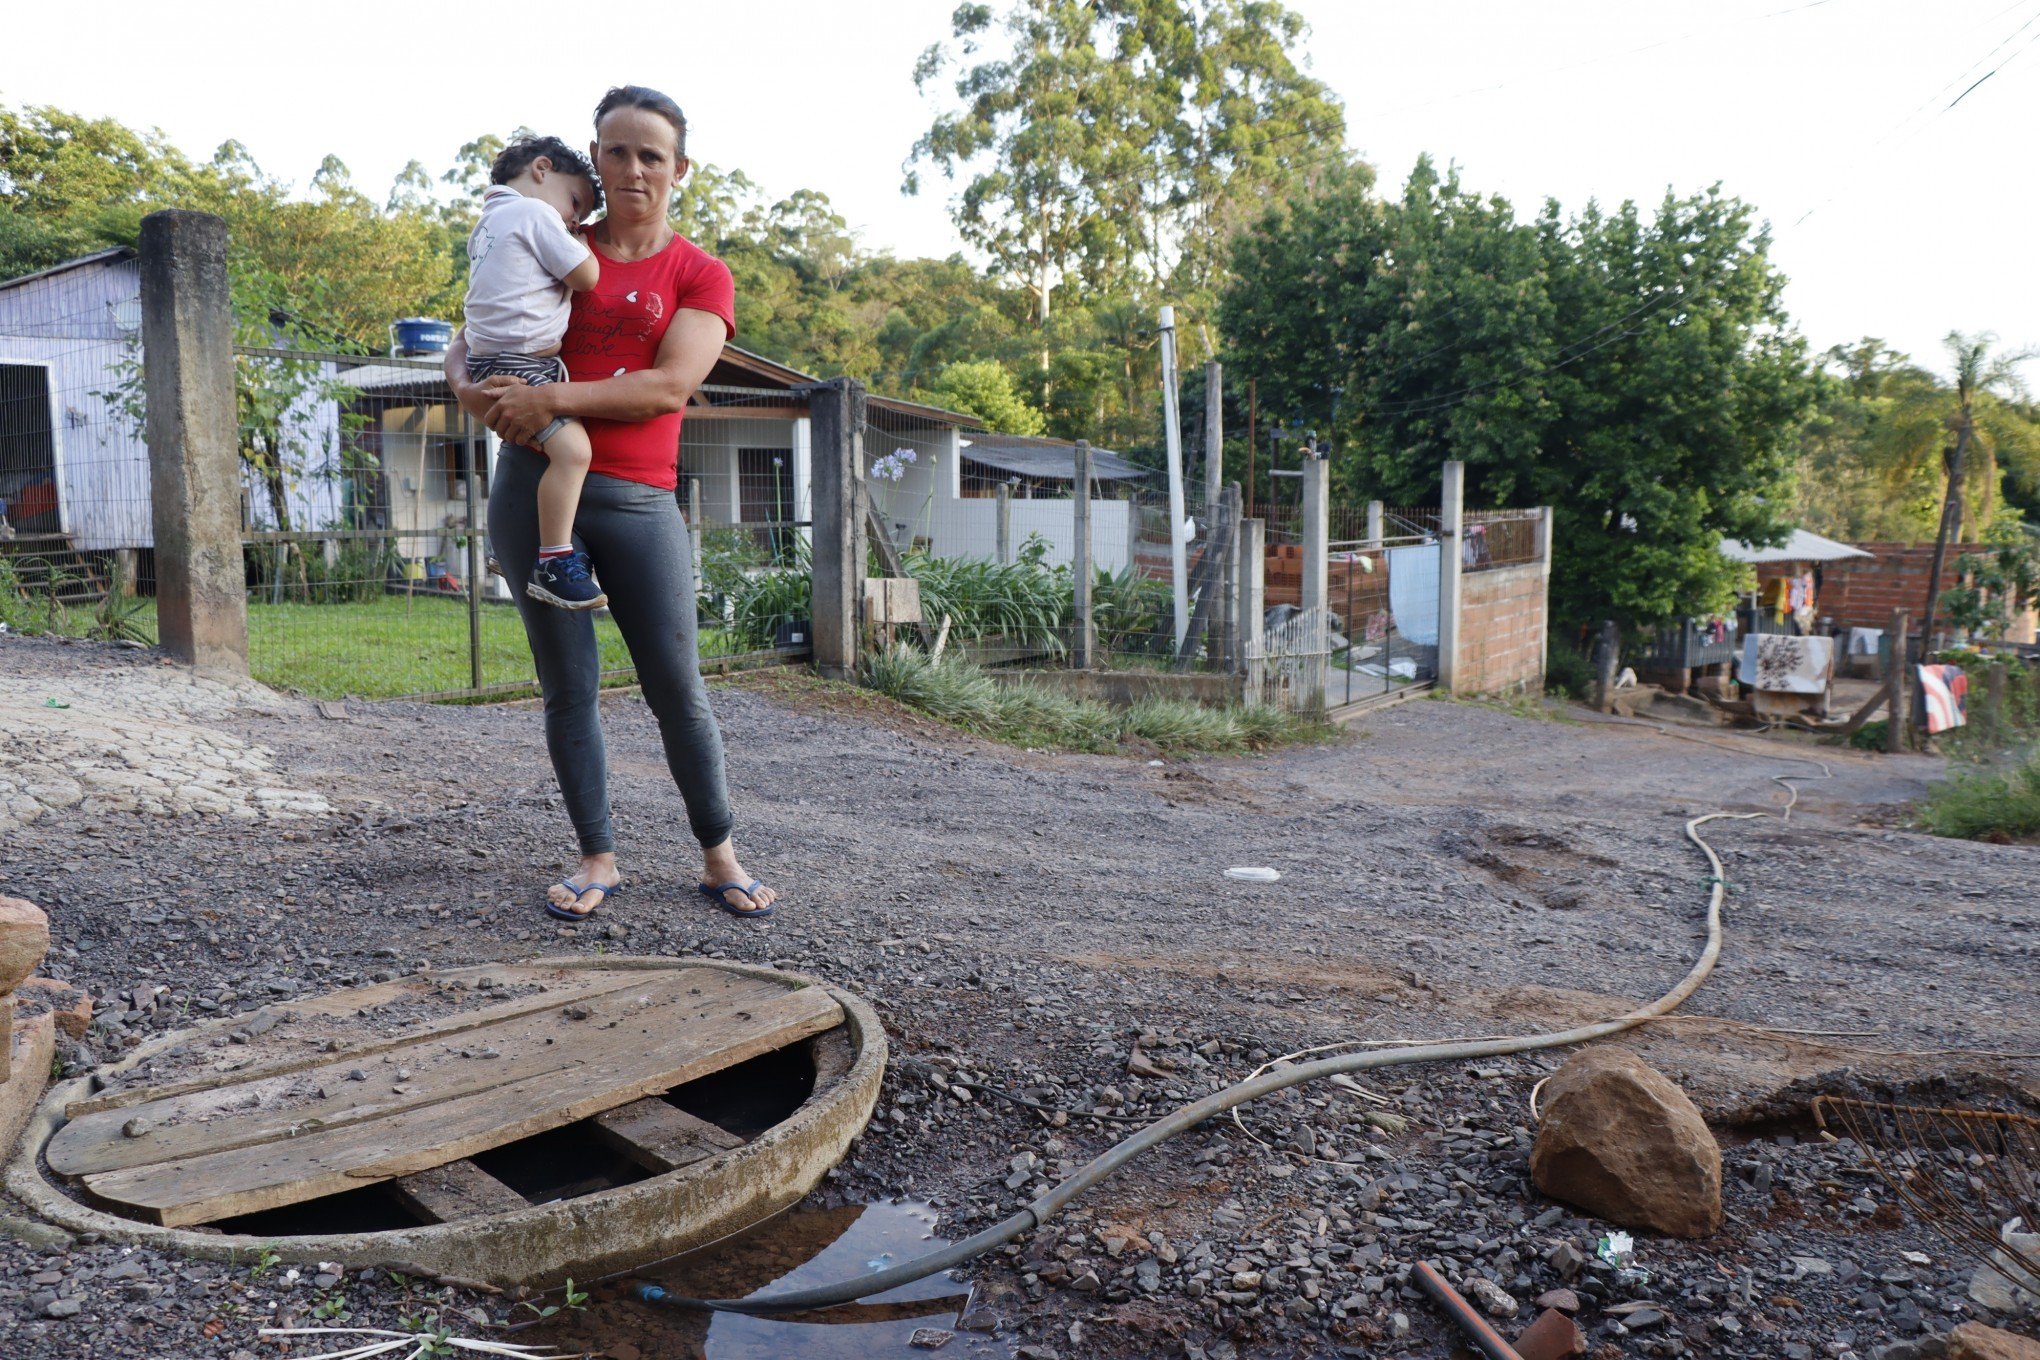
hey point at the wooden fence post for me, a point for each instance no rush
(194, 458)
(1901, 672)
(1002, 521)
(1451, 510)
(836, 419)
(1228, 653)
(1084, 641)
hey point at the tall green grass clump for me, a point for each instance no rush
(1987, 804)
(1038, 716)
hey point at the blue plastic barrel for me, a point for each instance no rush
(420, 335)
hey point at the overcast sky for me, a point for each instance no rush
(1893, 214)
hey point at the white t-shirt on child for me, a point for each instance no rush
(517, 255)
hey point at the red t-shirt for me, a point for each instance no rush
(616, 327)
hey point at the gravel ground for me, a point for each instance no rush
(1027, 922)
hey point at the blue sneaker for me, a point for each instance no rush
(565, 583)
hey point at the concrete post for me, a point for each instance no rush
(471, 448)
(1374, 518)
(1544, 568)
(1315, 530)
(836, 445)
(1084, 641)
(194, 459)
(694, 522)
(1214, 490)
(1253, 557)
(1452, 507)
(1607, 656)
(1002, 520)
(1214, 432)
(1227, 653)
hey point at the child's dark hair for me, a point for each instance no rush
(651, 101)
(517, 157)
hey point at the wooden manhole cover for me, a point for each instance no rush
(481, 1095)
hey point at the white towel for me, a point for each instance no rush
(1413, 592)
(1865, 641)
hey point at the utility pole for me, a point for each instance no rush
(1172, 432)
(1951, 520)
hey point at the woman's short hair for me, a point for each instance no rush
(517, 157)
(651, 101)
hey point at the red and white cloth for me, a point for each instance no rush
(1945, 690)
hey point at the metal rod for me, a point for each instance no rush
(1485, 1339)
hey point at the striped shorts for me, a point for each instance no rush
(536, 369)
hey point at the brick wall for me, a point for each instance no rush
(1861, 594)
(1501, 630)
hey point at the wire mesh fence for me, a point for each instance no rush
(76, 539)
(364, 493)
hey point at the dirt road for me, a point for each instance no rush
(1025, 920)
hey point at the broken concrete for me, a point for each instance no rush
(1554, 1336)
(1621, 1141)
(1974, 1341)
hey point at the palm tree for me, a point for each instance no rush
(1983, 382)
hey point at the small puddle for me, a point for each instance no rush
(797, 1249)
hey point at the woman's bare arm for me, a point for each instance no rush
(693, 343)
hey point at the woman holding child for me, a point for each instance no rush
(635, 346)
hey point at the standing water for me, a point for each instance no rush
(796, 1250)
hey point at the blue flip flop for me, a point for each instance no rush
(555, 909)
(750, 889)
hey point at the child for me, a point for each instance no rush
(524, 260)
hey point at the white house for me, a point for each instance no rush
(379, 444)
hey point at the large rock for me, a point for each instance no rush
(1619, 1140)
(24, 939)
(1974, 1341)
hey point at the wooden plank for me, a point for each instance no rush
(245, 1114)
(458, 1190)
(596, 983)
(659, 1136)
(639, 1061)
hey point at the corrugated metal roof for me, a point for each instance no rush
(114, 253)
(1801, 546)
(920, 410)
(401, 378)
(1051, 459)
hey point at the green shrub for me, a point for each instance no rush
(1568, 672)
(1041, 716)
(2000, 804)
(1024, 600)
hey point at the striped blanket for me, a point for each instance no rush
(1943, 690)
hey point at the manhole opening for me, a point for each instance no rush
(568, 1162)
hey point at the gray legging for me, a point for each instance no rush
(636, 538)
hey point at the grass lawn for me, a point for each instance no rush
(382, 648)
(379, 649)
